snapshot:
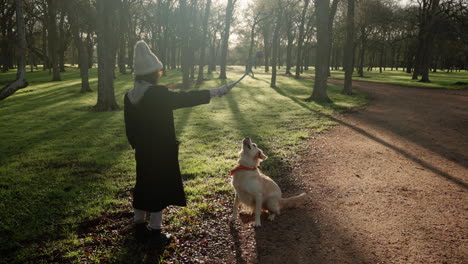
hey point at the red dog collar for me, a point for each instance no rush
(241, 167)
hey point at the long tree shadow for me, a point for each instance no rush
(413, 118)
(375, 138)
(454, 122)
(61, 183)
(295, 232)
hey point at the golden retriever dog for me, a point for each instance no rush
(255, 190)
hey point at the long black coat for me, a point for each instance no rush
(150, 130)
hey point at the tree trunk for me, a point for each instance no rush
(131, 40)
(53, 39)
(73, 19)
(382, 51)
(290, 35)
(322, 56)
(83, 63)
(173, 53)
(417, 59)
(427, 18)
(349, 50)
(300, 40)
(331, 18)
(184, 44)
(203, 42)
(62, 43)
(106, 51)
(122, 37)
(266, 45)
(20, 81)
(409, 59)
(250, 60)
(227, 28)
(276, 41)
(90, 50)
(46, 63)
(212, 64)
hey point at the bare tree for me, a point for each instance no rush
(349, 49)
(276, 43)
(203, 42)
(185, 48)
(106, 51)
(227, 29)
(331, 19)
(427, 17)
(322, 55)
(78, 23)
(123, 29)
(20, 81)
(53, 39)
(257, 17)
(300, 40)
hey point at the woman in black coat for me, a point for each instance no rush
(150, 131)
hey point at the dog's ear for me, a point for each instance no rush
(261, 155)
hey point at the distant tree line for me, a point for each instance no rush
(193, 35)
(425, 34)
(185, 34)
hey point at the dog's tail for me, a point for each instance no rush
(293, 201)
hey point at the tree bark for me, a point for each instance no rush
(300, 40)
(276, 41)
(289, 47)
(227, 28)
(90, 50)
(212, 64)
(53, 39)
(45, 62)
(203, 42)
(185, 48)
(122, 37)
(250, 60)
(83, 64)
(63, 43)
(322, 55)
(331, 18)
(349, 50)
(75, 25)
(266, 46)
(20, 81)
(427, 20)
(106, 62)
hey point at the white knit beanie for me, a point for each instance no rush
(144, 61)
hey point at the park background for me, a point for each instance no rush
(66, 169)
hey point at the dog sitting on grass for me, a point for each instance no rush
(255, 190)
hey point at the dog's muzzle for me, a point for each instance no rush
(247, 142)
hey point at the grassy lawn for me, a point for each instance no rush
(438, 79)
(62, 164)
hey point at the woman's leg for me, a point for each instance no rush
(155, 222)
(139, 216)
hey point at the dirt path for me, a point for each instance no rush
(389, 184)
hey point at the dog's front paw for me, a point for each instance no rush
(257, 224)
(271, 217)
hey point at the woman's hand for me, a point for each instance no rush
(219, 92)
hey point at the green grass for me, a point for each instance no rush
(438, 79)
(62, 163)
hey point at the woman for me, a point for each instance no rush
(150, 131)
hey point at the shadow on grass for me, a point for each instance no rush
(64, 168)
(294, 236)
